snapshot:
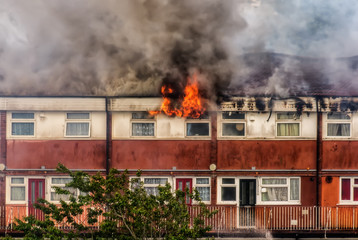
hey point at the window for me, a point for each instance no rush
(22, 124)
(142, 124)
(197, 127)
(61, 182)
(17, 189)
(349, 190)
(202, 185)
(78, 125)
(233, 124)
(227, 190)
(338, 124)
(280, 190)
(151, 184)
(288, 124)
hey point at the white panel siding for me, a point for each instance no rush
(135, 104)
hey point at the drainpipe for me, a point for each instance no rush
(318, 152)
(108, 136)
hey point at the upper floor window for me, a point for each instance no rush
(22, 124)
(279, 190)
(349, 190)
(143, 124)
(338, 124)
(198, 127)
(78, 125)
(233, 124)
(287, 124)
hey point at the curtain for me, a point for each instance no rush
(77, 129)
(162, 181)
(346, 189)
(204, 193)
(17, 193)
(288, 129)
(143, 129)
(275, 194)
(338, 129)
(294, 189)
(152, 190)
(23, 129)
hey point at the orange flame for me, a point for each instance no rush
(191, 105)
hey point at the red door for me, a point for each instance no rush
(36, 191)
(182, 184)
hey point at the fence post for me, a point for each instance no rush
(264, 218)
(353, 216)
(336, 217)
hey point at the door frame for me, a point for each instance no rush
(185, 179)
(30, 208)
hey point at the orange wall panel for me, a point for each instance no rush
(268, 154)
(330, 192)
(339, 154)
(154, 154)
(74, 154)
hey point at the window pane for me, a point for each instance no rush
(355, 194)
(337, 115)
(204, 193)
(274, 181)
(202, 181)
(17, 194)
(17, 180)
(287, 115)
(77, 115)
(228, 194)
(197, 129)
(338, 129)
(233, 115)
(22, 129)
(23, 115)
(294, 189)
(152, 190)
(233, 129)
(60, 180)
(346, 189)
(142, 129)
(64, 197)
(275, 194)
(77, 129)
(288, 129)
(142, 115)
(356, 181)
(155, 180)
(228, 180)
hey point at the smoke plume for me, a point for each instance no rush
(130, 47)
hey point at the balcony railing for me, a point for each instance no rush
(233, 218)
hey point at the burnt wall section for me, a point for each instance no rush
(74, 154)
(160, 154)
(268, 154)
(339, 154)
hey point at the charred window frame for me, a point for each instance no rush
(279, 190)
(339, 124)
(22, 124)
(288, 124)
(348, 193)
(228, 190)
(197, 127)
(142, 124)
(233, 124)
(78, 124)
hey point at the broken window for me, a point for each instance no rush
(233, 124)
(338, 124)
(22, 124)
(288, 124)
(142, 124)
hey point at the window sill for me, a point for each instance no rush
(278, 203)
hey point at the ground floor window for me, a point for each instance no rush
(349, 190)
(279, 190)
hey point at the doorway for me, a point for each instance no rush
(247, 197)
(36, 191)
(182, 184)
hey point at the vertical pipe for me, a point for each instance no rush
(108, 136)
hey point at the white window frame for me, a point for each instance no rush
(220, 185)
(9, 185)
(339, 121)
(144, 120)
(142, 178)
(296, 120)
(195, 185)
(50, 189)
(78, 120)
(235, 121)
(288, 185)
(22, 120)
(351, 201)
(206, 121)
